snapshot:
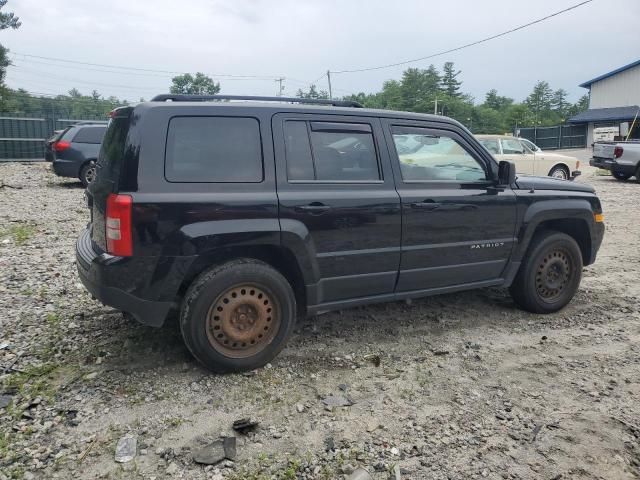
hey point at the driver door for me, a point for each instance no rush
(514, 151)
(457, 225)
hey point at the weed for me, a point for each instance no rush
(21, 233)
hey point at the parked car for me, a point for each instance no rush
(76, 150)
(529, 158)
(621, 158)
(243, 215)
(48, 145)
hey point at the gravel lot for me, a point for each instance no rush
(455, 386)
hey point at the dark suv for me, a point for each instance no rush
(76, 149)
(242, 215)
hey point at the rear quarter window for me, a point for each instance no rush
(90, 135)
(214, 150)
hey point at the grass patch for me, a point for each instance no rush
(20, 233)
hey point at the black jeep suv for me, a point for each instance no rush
(245, 214)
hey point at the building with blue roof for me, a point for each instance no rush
(614, 104)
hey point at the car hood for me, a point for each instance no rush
(548, 183)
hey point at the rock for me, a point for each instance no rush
(360, 474)
(372, 426)
(337, 401)
(395, 451)
(28, 476)
(172, 469)
(5, 401)
(216, 452)
(244, 425)
(347, 469)
(90, 376)
(299, 407)
(126, 449)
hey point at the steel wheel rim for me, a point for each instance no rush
(243, 321)
(553, 274)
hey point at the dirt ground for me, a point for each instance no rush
(449, 387)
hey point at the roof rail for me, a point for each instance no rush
(207, 98)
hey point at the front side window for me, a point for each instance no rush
(512, 146)
(530, 145)
(321, 151)
(213, 149)
(428, 156)
(491, 145)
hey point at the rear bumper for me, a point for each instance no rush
(66, 168)
(604, 163)
(144, 287)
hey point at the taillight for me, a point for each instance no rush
(118, 225)
(617, 152)
(61, 146)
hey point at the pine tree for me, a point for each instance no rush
(450, 84)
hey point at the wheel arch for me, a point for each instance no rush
(278, 257)
(562, 165)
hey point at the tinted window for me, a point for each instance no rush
(491, 145)
(213, 149)
(298, 151)
(425, 156)
(90, 135)
(336, 152)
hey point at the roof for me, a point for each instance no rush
(610, 74)
(606, 114)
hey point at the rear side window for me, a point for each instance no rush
(213, 149)
(90, 135)
(330, 152)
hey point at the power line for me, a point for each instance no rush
(502, 34)
(122, 67)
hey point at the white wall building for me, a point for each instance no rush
(614, 100)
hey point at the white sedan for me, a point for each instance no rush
(529, 158)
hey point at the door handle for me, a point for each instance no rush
(426, 205)
(314, 208)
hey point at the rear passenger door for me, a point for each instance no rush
(336, 191)
(457, 225)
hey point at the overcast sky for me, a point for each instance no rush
(301, 39)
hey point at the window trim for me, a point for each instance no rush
(369, 129)
(260, 140)
(452, 135)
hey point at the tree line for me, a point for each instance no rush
(431, 91)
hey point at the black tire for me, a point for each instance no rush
(620, 176)
(88, 173)
(237, 316)
(550, 274)
(560, 171)
(638, 174)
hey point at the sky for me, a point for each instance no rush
(301, 39)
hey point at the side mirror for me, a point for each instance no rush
(506, 173)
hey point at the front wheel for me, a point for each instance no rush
(237, 316)
(559, 172)
(550, 275)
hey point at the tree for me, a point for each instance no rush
(450, 84)
(539, 101)
(312, 93)
(201, 84)
(7, 20)
(559, 102)
(495, 101)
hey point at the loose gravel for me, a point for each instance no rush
(454, 386)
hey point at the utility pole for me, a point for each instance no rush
(280, 87)
(329, 81)
(435, 106)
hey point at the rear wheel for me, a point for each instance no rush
(638, 174)
(238, 316)
(559, 171)
(620, 176)
(88, 173)
(550, 275)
